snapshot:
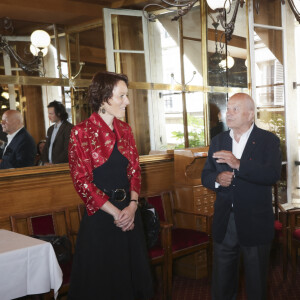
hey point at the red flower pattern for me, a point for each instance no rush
(91, 144)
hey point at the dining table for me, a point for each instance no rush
(28, 266)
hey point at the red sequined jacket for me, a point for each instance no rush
(91, 144)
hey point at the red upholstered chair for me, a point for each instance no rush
(54, 222)
(294, 217)
(160, 255)
(280, 226)
(184, 241)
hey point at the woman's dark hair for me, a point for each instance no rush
(101, 88)
(59, 109)
(38, 146)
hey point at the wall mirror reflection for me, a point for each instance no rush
(168, 100)
(227, 59)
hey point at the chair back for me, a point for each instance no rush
(50, 222)
(81, 210)
(163, 203)
(157, 202)
(42, 225)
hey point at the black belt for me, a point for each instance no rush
(117, 194)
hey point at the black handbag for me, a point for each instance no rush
(61, 245)
(150, 221)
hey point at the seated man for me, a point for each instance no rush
(3, 140)
(20, 149)
(58, 135)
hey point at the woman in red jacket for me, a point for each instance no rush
(110, 260)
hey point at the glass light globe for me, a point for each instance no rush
(230, 63)
(35, 51)
(5, 95)
(40, 39)
(215, 4)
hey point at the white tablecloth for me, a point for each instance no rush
(27, 266)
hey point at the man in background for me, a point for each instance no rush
(3, 140)
(242, 165)
(58, 135)
(20, 149)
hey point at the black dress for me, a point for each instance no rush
(110, 264)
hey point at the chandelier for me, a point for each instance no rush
(40, 40)
(219, 62)
(182, 8)
(222, 7)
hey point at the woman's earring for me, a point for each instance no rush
(103, 110)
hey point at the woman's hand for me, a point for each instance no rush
(111, 209)
(130, 228)
(126, 217)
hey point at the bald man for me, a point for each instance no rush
(242, 165)
(20, 149)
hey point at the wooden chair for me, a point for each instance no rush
(81, 210)
(50, 222)
(184, 241)
(294, 218)
(280, 226)
(160, 254)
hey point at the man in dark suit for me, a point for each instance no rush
(3, 141)
(58, 135)
(20, 149)
(242, 165)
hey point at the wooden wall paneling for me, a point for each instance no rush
(157, 177)
(34, 112)
(44, 188)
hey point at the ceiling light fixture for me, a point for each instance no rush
(40, 39)
(182, 8)
(223, 7)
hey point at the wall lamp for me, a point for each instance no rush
(40, 40)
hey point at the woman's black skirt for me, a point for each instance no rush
(110, 264)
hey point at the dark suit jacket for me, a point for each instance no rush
(20, 152)
(60, 145)
(251, 189)
(2, 138)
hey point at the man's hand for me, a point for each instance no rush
(226, 157)
(225, 178)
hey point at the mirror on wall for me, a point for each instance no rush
(227, 60)
(32, 98)
(168, 100)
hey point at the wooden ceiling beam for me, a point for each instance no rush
(84, 26)
(236, 41)
(50, 11)
(91, 55)
(124, 3)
